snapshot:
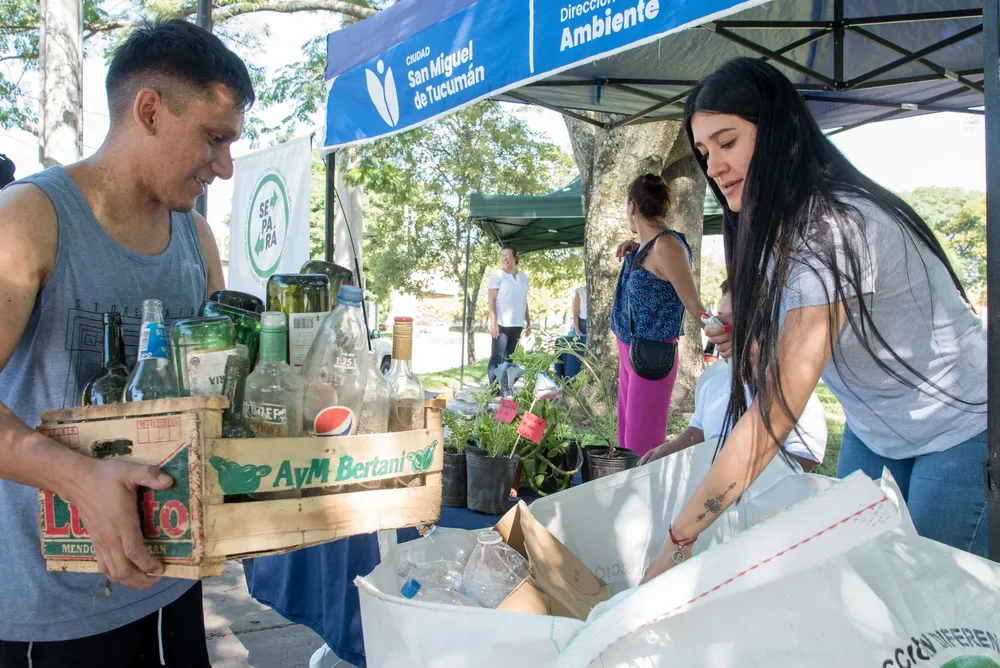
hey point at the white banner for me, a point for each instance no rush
(269, 233)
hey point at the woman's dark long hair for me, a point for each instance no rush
(797, 183)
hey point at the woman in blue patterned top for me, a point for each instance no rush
(656, 285)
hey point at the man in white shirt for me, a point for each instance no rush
(508, 307)
(806, 444)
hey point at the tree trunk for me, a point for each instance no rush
(350, 199)
(687, 195)
(61, 50)
(608, 161)
(475, 285)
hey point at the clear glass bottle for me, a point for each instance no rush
(305, 299)
(153, 375)
(246, 326)
(334, 370)
(406, 392)
(234, 425)
(237, 299)
(108, 384)
(375, 407)
(273, 401)
(202, 347)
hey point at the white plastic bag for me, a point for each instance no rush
(838, 579)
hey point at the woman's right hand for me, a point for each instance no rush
(495, 330)
(626, 247)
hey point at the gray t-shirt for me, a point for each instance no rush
(921, 315)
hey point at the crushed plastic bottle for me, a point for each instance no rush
(494, 570)
(412, 589)
(442, 573)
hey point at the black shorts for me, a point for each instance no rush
(181, 632)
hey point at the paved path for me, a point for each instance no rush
(241, 632)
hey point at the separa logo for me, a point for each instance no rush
(971, 662)
(267, 224)
(384, 96)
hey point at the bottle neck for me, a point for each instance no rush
(234, 385)
(272, 345)
(114, 346)
(402, 367)
(402, 347)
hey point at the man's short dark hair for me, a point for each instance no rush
(6, 170)
(177, 50)
(725, 286)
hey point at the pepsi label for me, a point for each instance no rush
(335, 421)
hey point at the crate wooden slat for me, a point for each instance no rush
(197, 524)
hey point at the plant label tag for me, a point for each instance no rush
(507, 411)
(532, 427)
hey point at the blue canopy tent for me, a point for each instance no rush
(854, 62)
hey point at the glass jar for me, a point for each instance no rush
(337, 274)
(201, 348)
(305, 299)
(246, 327)
(237, 299)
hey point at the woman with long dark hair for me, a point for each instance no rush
(833, 277)
(654, 287)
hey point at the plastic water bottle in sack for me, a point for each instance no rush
(494, 570)
(412, 589)
(441, 573)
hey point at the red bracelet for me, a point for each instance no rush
(679, 543)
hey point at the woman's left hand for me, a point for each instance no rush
(664, 560)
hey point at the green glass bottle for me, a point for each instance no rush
(246, 326)
(305, 299)
(240, 300)
(202, 348)
(337, 274)
(234, 425)
(108, 385)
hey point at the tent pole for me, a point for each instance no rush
(991, 67)
(331, 210)
(465, 299)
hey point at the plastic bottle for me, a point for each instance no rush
(413, 589)
(334, 370)
(153, 375)
(494, 570)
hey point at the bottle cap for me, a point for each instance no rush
(350, 294)
(402, 318)
(489, 537)
(410, 588)
(272, 320)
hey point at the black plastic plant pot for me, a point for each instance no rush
(586, 452)
(454, 482)
(489, 482)
(601, 464)
(565, 461)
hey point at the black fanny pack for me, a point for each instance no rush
(652, 360)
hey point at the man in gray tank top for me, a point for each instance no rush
(97, 236)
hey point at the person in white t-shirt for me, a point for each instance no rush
(508, 307)
(806, 444)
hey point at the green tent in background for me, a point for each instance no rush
(556, 220)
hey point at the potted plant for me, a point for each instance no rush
(458, 432)
(591, 405)
(491, 463)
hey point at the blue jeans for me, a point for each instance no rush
(943, 490)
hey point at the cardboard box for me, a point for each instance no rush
(206, 517)
(558, 583)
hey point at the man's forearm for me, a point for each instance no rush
(686, 439)
(29, 458)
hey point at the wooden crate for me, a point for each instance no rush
(206, 519)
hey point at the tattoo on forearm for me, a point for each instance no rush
(714, 504)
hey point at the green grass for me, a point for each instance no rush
(445, 380)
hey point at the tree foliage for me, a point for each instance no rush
(417, 190)
(958, 218)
